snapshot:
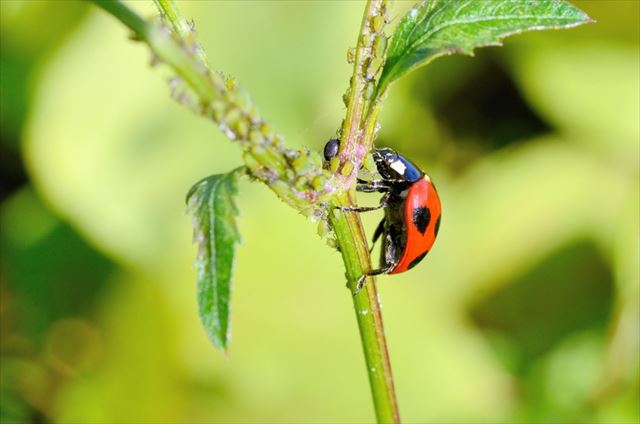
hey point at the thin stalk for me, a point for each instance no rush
(358, 133)
(355, 253)
(169, 10)
(184, 28)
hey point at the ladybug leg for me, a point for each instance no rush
(380, 186)
(361, 209)
(377, 233)
(383, 202)
(373, 272)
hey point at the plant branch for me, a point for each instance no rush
(357, 135)
(295, 175)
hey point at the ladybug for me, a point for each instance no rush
(412, 211)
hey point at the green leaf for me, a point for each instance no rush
(213, 211)
(439, 27)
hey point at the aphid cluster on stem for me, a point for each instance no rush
(372, 50)
(357, 130)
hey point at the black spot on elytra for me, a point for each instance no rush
(437, 225)
(417, 259)
(421, 218)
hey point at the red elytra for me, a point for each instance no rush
(422, 196)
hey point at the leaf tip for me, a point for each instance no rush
(584, 18)
(219, 341)
(192, 192)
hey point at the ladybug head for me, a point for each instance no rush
(393, 166)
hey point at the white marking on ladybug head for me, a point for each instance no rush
(398, 166)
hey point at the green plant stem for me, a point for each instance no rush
(180, 25)
(358, 133)
(174, 16)
(355, 253)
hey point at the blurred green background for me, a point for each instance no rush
(527, 310)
